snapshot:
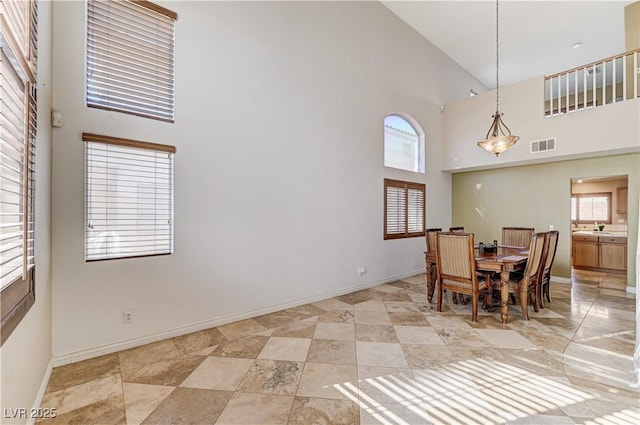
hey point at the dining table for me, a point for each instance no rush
(503, 259)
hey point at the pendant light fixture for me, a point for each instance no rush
(498, 138)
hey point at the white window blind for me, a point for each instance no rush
(130, 58)
(12, 149)
(129, 198)
(404, 209)
(18, 109)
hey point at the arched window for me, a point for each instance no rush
(403, 143)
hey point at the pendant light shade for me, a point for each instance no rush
(499, 137)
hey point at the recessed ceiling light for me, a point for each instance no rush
(576, 45)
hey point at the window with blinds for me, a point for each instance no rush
(130, 58)
(18, 110)
(129, 198)
(587, 208)
(404, 209)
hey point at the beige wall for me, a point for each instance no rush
(539, 195)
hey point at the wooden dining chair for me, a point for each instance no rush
(552, 245)
(527, 285)
(456, 269)
(457, 229)
(517, 236)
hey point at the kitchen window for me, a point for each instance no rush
(588, 208)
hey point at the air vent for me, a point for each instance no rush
(543, 145)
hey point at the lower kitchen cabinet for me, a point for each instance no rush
(599, 252)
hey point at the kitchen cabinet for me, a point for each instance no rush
(621, 203)
(585, 251)
(608, 253)
(612, 253)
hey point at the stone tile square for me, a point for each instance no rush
(420, 356)
(218, 373)
(502, 338)
(102, 391)
(245, 409)
(339, 331)
(387, 385)
(409, 319)
(247, 347)
(380, 354)
(272, 377)
(391, 413)
(328, 381)
(372, 305)
(171, 371)
(376, 333)
(142, 399)
(133, 359)
(281, 348)
(296, 330)
(338, 316)
(418, 335)
(189, 406)
(401, 307)
(82, 372)
(332, 351)
(309, 410)
(372, 317)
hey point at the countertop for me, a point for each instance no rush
(598, 233)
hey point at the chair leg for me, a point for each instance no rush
(538, 294)
(454, 295)
(474, 306)
(439, 306)
(524, 297)
(488, 297)
(545, 289)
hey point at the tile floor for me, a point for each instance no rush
(377, 356)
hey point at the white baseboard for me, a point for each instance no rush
(90, 353)
(43, 388)
(632, 290)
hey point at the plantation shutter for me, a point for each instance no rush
(404, 209)
(129, 198)
(130, 58)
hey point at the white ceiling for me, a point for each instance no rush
(535, 37)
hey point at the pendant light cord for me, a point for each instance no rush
(497, 61)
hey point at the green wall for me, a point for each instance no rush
(538, 196)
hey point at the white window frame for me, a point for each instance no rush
(128, 198)
(412, 139)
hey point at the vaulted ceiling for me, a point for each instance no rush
(535, 37)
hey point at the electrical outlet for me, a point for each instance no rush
(362, 270)
(128, 316)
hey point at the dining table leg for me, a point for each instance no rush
(504, 296)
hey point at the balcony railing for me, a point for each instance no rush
(611, 80)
